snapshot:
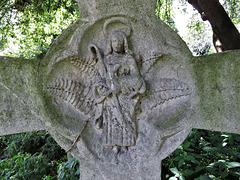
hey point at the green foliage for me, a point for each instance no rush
(196, 33)
(165, 13)
(30, 156)
(201, 49)
(32, 143)
(69, 170)
(28, 27)
(24, 166)
(199, 39)
(35, 156)
(205, 155)
(233, 10)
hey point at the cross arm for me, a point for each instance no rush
(217, 80)
(19, 101)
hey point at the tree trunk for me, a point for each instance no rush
(225, 34)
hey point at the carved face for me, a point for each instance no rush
(117, 42)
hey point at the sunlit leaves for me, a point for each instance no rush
(164, 12)
(32, 27)
(233, 9)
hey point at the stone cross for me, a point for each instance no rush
(126, 84)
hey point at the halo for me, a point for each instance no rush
(121, 20)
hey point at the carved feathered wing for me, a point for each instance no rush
(80, 93)
(167, 100)
(147, 64)
(73, 92)
(167, 89)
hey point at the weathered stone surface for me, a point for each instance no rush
(217, 78)
(20, 110)
(130, 81)
(130, 78)
(95, 9)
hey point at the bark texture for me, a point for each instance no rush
(225, 34)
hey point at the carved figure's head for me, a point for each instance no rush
(117, 43)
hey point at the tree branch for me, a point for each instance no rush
(225, 33)
(78, 136)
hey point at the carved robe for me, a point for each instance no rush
(124, 82)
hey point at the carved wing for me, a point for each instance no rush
(79, 93)
(167, 102)
(147, 64)
(73, 92)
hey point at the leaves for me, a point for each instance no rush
(30, 156)
(69, 170)
(24, 166)
(29, 27)
(205, 155)
(165, 12)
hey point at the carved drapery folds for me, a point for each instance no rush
(120, 86)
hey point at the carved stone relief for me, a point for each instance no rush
(124, 83)
(118, 84)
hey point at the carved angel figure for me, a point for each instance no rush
(107, 87)
(119, 88)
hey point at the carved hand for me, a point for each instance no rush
(139, 88)
(132, 85)
(103, 90)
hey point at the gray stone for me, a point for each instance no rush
(126, 84)
(124, 78)
(217, 78)
(20, 110)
